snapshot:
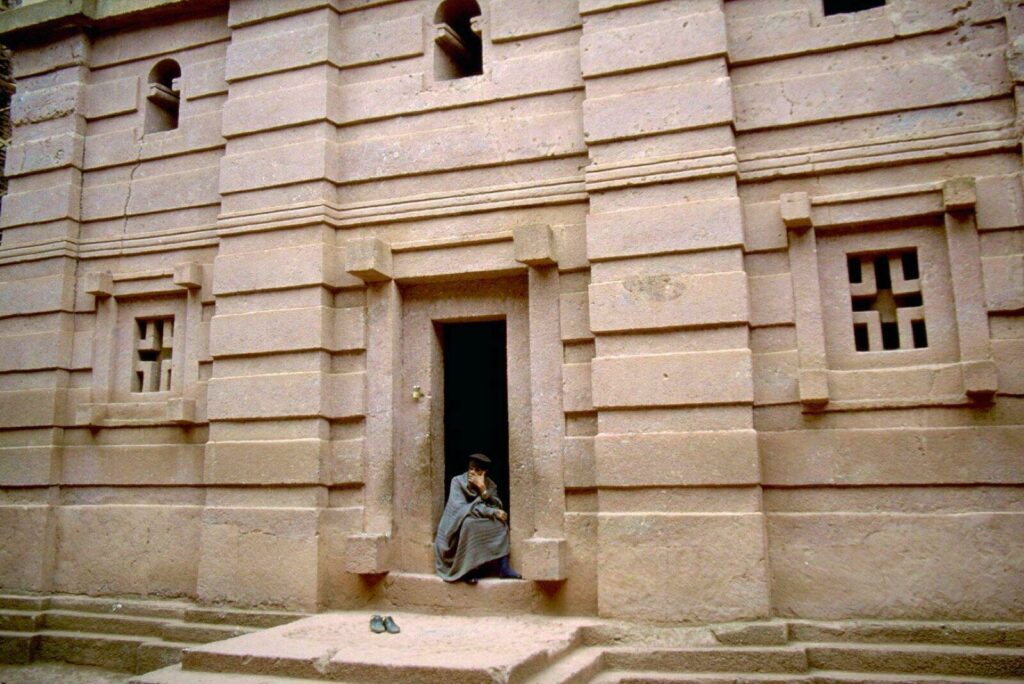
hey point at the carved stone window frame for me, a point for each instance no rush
(954, 202)
(174, 293)
(431, 82)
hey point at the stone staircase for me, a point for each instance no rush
(828, 653)
(127, 635)
(602, 652)
(501, 643)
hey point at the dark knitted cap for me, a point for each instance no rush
(480, 460)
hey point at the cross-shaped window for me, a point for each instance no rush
(888, 308)
(154, 345)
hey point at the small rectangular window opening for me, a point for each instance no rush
(860, 337)
(920, 334)
(910, 268)
(848, 6)
(853, 268)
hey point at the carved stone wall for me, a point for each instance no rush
(761, 269)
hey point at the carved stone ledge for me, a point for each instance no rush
(813, 389)
(99, 284)
(544, 560)
(959, 195)
(188, 275)
(534, 245)
(368, 259)
(368, 554)
(796, 210)
(981, 380)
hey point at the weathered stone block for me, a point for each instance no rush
(368, 554)
(673, 379)
(534, 245)
(959, 194)
(826, 566)
(544, 559)
(702, 224)
(981, 379)
(368, 259)
(118, 549)
(682, 567)
(796, 210)
(657, 43)
(236, 544)
(668, 301)
(26, 554)
(677, 459)
(188, 275)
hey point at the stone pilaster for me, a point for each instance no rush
(681, 532)
(278, 391)
(39, 226)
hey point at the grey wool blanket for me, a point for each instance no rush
(469, 534)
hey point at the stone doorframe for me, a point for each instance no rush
(390, 538)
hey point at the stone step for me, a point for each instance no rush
(890, 631)
(18, 648)
(653, 677)
(918, 658)
(110, 651)
(20, 621)
(712, 659)
(19, 602)
(154, 655)
(175, 675)
(822, 677)
(168, 610)
(429, 649)
(261, 619)
(430, 594)
(198, 633)
(131, 625)
(577, 666)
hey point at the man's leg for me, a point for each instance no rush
(505, 570)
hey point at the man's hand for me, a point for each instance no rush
(502, 516)
(478, 482)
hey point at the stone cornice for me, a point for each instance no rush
(51, 14)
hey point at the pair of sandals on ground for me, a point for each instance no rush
(378, 625)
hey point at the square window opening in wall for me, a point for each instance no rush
(458, 40)
(886, 301)
(848, 6)
(154, 347)
(886, 296)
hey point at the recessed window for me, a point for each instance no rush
(154, 346)
(163, 97)
(458, 47)
(847, 6)
(885, 296)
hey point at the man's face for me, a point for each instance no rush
(476, 471)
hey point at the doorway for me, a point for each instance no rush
(474, 357)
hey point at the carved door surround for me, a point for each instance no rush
(411, 287)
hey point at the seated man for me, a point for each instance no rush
(473, 532)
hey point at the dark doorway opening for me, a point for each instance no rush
(475, 399)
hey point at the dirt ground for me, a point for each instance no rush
(51, 673)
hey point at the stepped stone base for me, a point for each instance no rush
(430, 648)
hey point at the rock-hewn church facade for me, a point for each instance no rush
(731, 291)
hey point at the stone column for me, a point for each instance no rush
(38, 258)
(275, 395)
(680, 531)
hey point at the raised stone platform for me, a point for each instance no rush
(430, 649)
